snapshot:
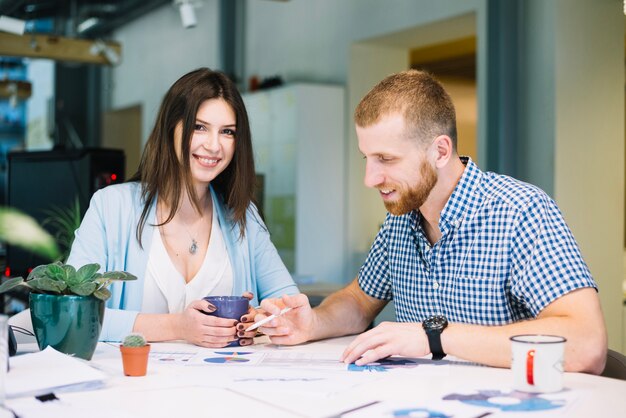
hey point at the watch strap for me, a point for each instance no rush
(434, 342)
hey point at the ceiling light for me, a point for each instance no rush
(99, 47)
(11, 25)
(187, 13)
(87, 24)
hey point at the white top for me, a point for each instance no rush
(165, 290)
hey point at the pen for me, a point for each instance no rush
(266, 320)
(341, 414)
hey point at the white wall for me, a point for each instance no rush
(156, 51)
(310, 40)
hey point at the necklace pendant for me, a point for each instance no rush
(194, 247)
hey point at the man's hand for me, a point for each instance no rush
(387, 339)
(293, 327)
(208, 331)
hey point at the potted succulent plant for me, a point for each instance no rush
(66, 304)
(135, 351)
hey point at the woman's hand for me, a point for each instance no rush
(196, 327)
(247, 338)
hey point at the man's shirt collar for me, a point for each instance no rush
(464, 200)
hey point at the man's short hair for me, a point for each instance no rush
(426, 106)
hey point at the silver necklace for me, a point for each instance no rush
(193, 248)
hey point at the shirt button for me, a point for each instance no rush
(436, 285)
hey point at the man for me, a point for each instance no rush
(470, 258)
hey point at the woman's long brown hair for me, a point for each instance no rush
(160, 171)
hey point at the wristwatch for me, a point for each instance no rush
(433, 326)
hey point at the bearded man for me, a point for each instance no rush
(470, 258)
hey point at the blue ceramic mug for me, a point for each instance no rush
(230, 307)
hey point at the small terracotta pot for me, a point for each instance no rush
(135, 360)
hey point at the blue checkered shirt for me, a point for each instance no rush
(505, 253)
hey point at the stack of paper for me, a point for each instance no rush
(50, 371)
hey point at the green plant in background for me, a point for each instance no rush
(134, 340)
(65, 221)
(21, 230)
(63, 279)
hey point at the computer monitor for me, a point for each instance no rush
(41, 181)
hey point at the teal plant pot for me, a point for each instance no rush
(69, 324)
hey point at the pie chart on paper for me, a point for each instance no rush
(228, 357)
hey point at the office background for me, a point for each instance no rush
(539, 83)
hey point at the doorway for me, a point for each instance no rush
(121, 129)
(448, 50)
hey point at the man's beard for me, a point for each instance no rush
(415, 197)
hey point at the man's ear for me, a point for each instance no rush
(443, 150)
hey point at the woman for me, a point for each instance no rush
(185, 224)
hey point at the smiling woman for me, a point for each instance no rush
(212, 143)
(186, 224)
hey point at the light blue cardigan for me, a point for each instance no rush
(107, 235)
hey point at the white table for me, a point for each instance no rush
(184, 390)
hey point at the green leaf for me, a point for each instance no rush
(88, 271)
(103, 294)
(39, 271)
(69, 270)
(11, 283)
(63, 220)
(83, 289)
(55, 272)
(71, 278)
(118, 275)
(47, 285)
(99, 278)
(21, 230)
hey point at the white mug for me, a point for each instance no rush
(537, 363)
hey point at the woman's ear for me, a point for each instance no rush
(443, 150)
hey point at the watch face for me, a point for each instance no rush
(437, 322)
